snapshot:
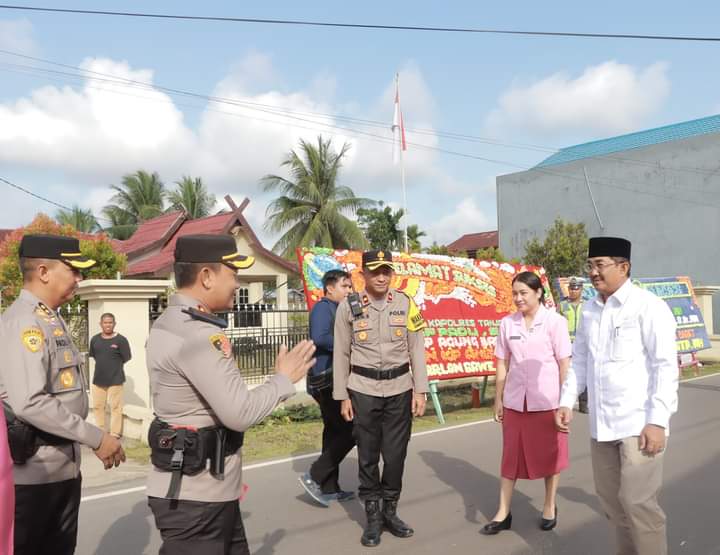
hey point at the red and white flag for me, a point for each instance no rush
(398, 128)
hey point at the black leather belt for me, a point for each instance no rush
(375, 374)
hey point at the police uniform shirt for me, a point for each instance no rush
(41, 377)
(388, 335)
(195, 382)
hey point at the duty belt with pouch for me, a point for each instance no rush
(375, 374)
(25, 439)
(189, 450)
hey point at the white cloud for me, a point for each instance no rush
(467, 217)
(608, 98)
(16, 35)
(85, 138)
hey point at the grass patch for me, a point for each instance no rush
(297, 429)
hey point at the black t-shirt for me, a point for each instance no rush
(110, 355)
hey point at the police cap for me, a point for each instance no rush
(372, 260)
(55, 247)
(211, 249)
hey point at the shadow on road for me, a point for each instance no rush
(131, 531)
(270, 542)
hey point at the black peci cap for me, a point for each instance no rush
(211, 249)
(609, 246)
(372, 260)
(55, 247)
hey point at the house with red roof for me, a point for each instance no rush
(150, 250)
(470, 243)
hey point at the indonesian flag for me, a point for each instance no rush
(398, 128)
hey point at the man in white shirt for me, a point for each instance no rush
(626, 355)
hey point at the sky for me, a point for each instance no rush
(68, 135)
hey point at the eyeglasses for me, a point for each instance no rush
(599, 266)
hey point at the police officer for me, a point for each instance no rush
(378, 341)
(202, 405)
(45, 399)
(571, 308)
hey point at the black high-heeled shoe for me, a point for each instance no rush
(494, 527)
(548, 524)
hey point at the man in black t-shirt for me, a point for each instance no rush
(111, 351)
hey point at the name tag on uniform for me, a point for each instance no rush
(515, 337)
(397, 320)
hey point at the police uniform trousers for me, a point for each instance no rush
(199, 527)
(382, 427)
(46, 517)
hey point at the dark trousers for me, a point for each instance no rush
(382, 426)
(192, 527)
(337, 441)
(46, 518)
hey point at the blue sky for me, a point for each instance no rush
(69, 139)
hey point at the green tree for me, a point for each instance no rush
(563, 251)
(81, 220)
(435, 248)
(414, 234)
(140, 197)
(192, 196)
(312, 209)
(98, 248)
(382, 226)
(493, 253)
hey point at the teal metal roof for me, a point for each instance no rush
(639, 139)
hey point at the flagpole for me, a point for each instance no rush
(402, 179)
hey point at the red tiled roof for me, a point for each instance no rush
(163, 259)
(149, 233)
(474, 241)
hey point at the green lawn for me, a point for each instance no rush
(298, 430)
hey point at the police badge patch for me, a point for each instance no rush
(33, 339)
(222, 344)
(67, 379)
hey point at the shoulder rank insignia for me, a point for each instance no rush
(196, 314)
(222, 344)
(33, 339)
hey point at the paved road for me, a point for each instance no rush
(451, 488)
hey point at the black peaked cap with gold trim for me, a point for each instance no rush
(55, 247)
(372, 260)
(211, 249)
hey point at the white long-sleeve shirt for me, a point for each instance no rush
(625, 352)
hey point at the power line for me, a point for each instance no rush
(82, 73)
(365, 26)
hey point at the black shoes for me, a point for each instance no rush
(374, 527)
(392, 521)
(494, 527)
(548, 524)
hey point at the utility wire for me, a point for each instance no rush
(366, 26)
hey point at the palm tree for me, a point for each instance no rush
(81, 220)
(140, 197)
(192, 196)
(313, 209)
(413, 234)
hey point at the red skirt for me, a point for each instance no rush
(532, 446)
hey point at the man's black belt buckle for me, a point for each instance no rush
(376, 374)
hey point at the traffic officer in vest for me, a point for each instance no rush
(380, 377)
(45, 400)
(571, 308)
(202, 404)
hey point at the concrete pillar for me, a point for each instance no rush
(704, 296)
(128, 300)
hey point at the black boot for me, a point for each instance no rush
(392, 521)
(373, 529)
